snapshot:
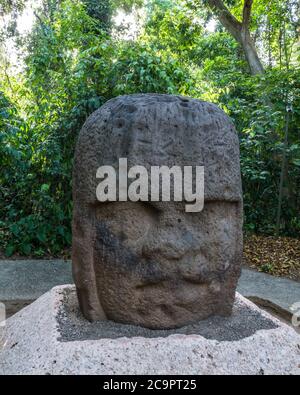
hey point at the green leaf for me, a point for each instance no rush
(45, 187)
(296, 162)
(26, 248)
(10, 249)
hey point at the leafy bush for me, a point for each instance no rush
(73, 67)
(261, 121)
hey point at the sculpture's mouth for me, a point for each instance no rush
(168, 304)
(171, 282)
(192, 270)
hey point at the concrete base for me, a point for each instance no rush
(50, 336)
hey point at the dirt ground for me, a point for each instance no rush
(279, 256)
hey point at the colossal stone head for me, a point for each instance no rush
(152, 263)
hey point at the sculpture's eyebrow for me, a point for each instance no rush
(151, 207)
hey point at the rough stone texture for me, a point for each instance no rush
(40, 339)
(153, 264)
(13, 306)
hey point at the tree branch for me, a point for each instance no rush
(247, 13)
(239, 30)
(226, 18)
(43, 26)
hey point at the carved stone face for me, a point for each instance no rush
(158, 266)
(152, 263)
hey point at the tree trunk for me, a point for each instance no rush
(282, 173)
(240, 31)
(251, 55)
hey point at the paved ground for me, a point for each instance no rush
(275, 293)
(23, 281)
(30, 279)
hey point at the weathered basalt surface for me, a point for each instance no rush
(151, 263)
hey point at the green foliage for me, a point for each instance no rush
(72, 68)
(143, 69)
(261, 120)
(267, 268)
(33, 218)
(101, 11)
(74, 64)
(7, 7)
(173, 26)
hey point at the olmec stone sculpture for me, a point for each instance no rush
(151, 263)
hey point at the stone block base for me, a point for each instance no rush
(50, 336)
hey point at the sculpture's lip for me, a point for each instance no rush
(174, 283)
(179, 272)
(200, 280)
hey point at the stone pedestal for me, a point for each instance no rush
(50, 336)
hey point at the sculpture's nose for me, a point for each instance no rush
(172, 241)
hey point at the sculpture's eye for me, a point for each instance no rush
(129, 221)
